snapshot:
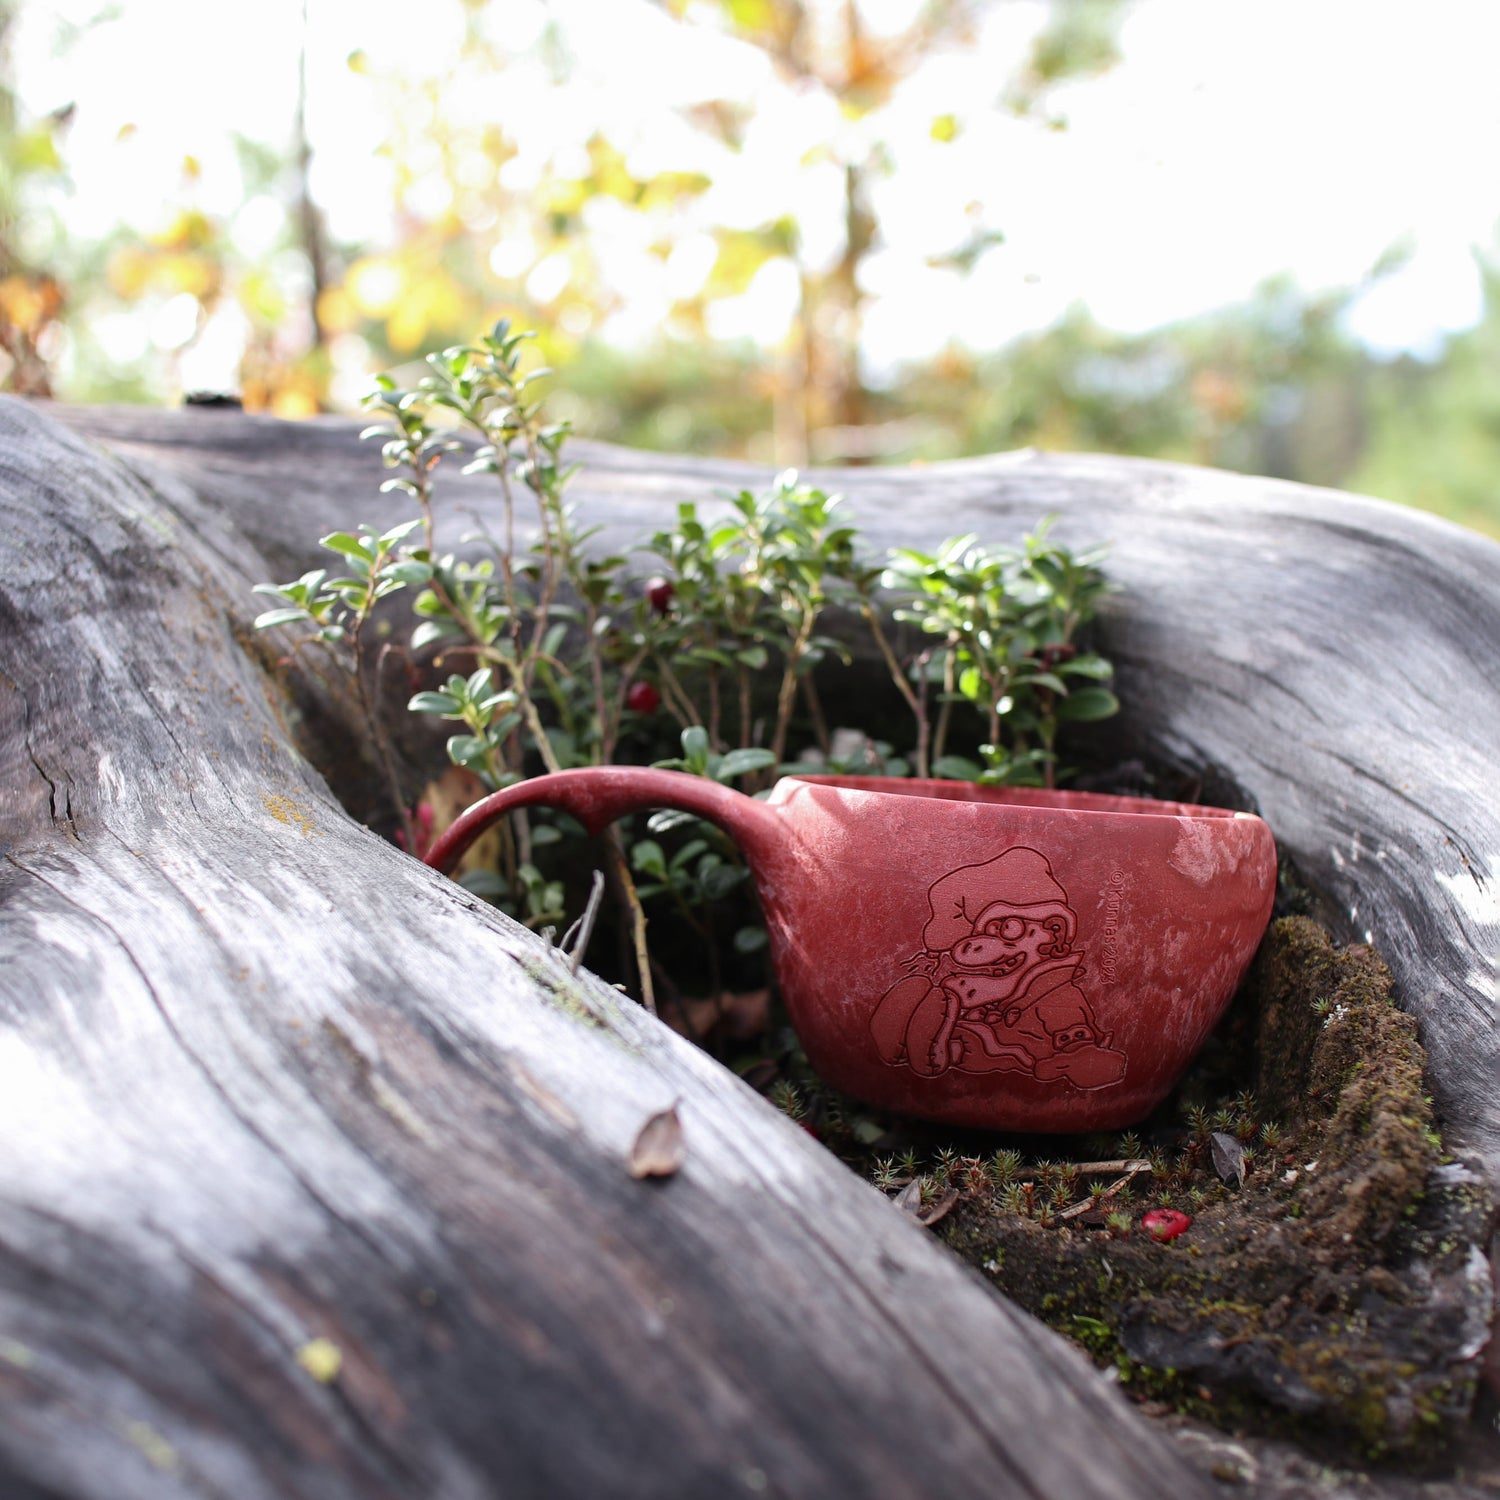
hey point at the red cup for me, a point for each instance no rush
(988, 956)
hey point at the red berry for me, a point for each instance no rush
(659, 592)
(642, 698)
(1164, 1223)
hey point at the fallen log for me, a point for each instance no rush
(320, 1178)
(1329, 656)
(318, 1171)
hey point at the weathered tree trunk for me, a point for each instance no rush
(1332, 656)
(265, 1081)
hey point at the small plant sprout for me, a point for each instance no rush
(1004, 622)
(1004, 1165)
(1118, 1223)
(409, 443)
(945, 1164)
(974, 1178)
(335, 611)
(788, 1100)
(540, 650)
(1014, 1198)
(489, 716)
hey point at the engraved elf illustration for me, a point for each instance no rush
(996, 986)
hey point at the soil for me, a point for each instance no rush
(1325, 1312)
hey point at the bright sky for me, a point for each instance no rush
(1238, 139)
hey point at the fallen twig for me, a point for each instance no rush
(1133, 1169)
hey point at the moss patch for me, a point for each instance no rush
(1336, 1294)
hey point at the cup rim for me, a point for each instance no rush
(1093, 804)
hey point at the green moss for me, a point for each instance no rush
(1295, 1303)
(564, 991)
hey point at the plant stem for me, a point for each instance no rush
(788, 693)
(715, 710)
(675, 694)
(945, 713)
(743, 673)
(364, 691)
(815, 713)
(615, 851)
(903, 686)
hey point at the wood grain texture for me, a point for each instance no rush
(316, 1170)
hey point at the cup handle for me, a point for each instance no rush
(597, 795)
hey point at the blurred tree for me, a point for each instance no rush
(1434, 424)
(31, 296)
(515, 189)
(1274, 386)
(834, 48)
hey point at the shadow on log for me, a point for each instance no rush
(317, 1174)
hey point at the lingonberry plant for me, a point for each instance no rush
(1006, 621)
(544, 652)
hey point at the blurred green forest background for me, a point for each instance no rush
(477, 224)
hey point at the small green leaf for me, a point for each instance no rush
(956, 768)
(435, 703)
(647, 856)
(741, 762)
(717, 881)
(695, 748)
(462, 748)
(1088, 704)
(279, 617)
(486, 884)
(388, 539)
(750, 940)
(669, 818)
(1087, 666)
(408, 572)
(434, 630)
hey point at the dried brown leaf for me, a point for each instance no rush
(1229, 1158)
(909, 1199)
(939, 1210)
(660, 1147)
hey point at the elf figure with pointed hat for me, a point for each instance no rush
(996, 987)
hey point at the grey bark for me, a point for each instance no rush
(264, 1080)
